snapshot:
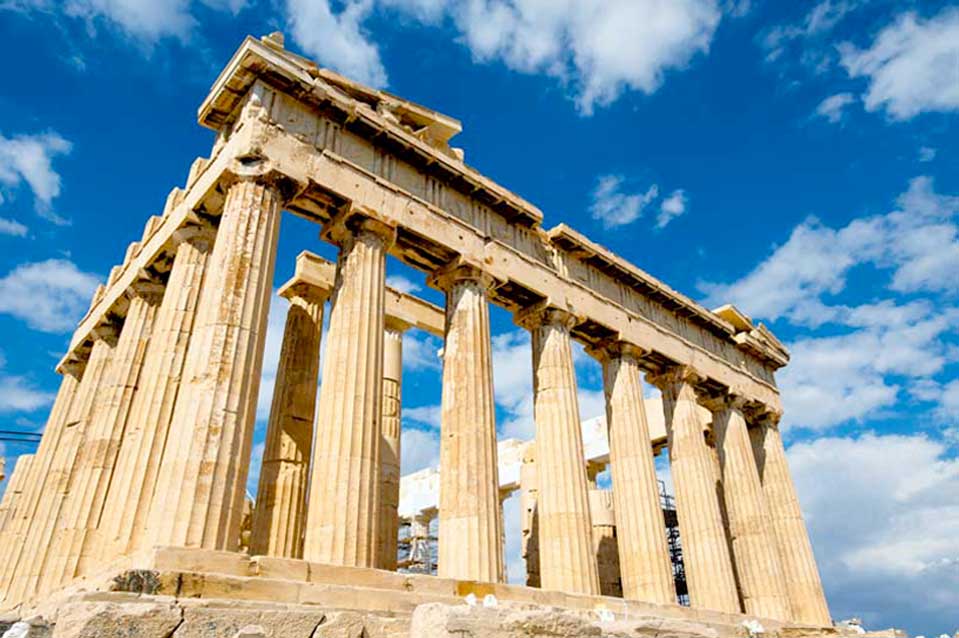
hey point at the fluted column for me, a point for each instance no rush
(74, 545)
(529, 491)
(200, 493)
(280, 514)
(37, 493)
(12, 494)
(706, 556)
(803, 585)
(344, 502)
(646, 569)
(390, 450)
(469, 516)
(566, 557)
(39, 541)
(138, 464)
(754, 545)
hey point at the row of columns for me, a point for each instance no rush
(150, 442)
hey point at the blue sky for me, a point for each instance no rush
(797, 159)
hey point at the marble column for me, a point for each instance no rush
(567, 561)
(470, 524)
(706, 556)
(646, 569)
(202, 477)
(138, 464)
(803, 585)
(344, 498)
(280, 514)
(390, 444)
(754, 546)
(37, 548)
(35, 497)
(529, 491)
(75, 544)
(14, 491)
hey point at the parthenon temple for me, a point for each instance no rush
(135, 499)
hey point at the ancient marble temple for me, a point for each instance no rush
(138, 484)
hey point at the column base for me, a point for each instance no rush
(233, 591)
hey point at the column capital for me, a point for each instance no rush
(726, 401)
(259, 170)
(352, 222)
(543, 313)
(614, 348)
(673, 375)
(459, 270)
(200, 235)
(395, 324)
(304, 290)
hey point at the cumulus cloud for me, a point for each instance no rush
(910, 65)
(883, 346)
(419, 449)
(19, 394)
(833, 107)
(337, 39)
(145, 21)
(613, 206)
(671, 208)
(597, 49)
(892, 528)
(12, 227)
(402, 284)
(50, 296)
(29, 159)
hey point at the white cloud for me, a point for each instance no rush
(892, 528)
(911, 65)
(927, 154)
(29, 159)
(598, 49)
(49, 296)
(671, 208)
(918, 242)
(885, 345)
(602, 48)
(18, 394)
(418, 449)
(337, 40)
(402, 284)
(425, 414)
(145, 21)
(833, 107)
(817, 23)
(12, 227)
(613, 207)
(421, 351)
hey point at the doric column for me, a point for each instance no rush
(39, 540)
(803, 585)
(344, 499)
(138, 464)
(646, 569)
(754, 545)
(567, 561)
(706, 557)
(603, 515)
(470, 524)
(74, 547)
(35, 495)
(13, 493)
(280, 515)
(202, 484)
(390, 445)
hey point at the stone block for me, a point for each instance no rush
(201, 560)
(282, 568)
(117, 620)
(232, 622)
